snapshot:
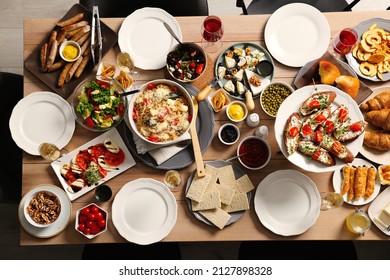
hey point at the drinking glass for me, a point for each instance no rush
(358, 222)
(330, 200)
(212, 32)
(126, 63)
(50, 151)
(345, 41)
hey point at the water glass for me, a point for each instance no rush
(49, 151)
(331, 200)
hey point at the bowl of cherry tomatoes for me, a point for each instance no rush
(186, 62)
(91, 220)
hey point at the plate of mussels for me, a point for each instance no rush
(244, 67)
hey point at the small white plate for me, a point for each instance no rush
(287, 202)
(296, 34)
(337, 183)
(377, 205)
(380, 157)
(144, 211)
(66, 159)
(41, 117)
(144, 36)
(292, 103)
(56, 227)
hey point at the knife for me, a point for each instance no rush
(206, 90)
(96, 37)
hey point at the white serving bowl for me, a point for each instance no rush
(33, 196)
(72, 44)
(232, 105)
(257, 152)
(133, 111)
(230, 129)
(95, 229)
(277, 92)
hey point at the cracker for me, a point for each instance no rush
(210, 200)
(239, 203)
(226, 193)
(213, 171)
(226, 175)
(216, 216)
(243, 184)
(198, 187)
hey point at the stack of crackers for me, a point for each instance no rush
(219, 193)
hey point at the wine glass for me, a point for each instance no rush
(344, 41)
(50, 151)
(126, 63)
(212, 32)
(330, 200)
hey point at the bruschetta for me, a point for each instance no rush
(349, 132)
(291, 133)
(315, 152)
(317, 101)
(335, 147)
(311, 122)
(336, 119)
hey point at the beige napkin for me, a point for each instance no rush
(309, 73)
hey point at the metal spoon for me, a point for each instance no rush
(240, 155)
(172, 33)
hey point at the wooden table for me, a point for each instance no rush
(330, 224)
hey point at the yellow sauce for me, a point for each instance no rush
(70, 52)
(236, 112)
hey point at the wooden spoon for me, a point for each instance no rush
(195, 142)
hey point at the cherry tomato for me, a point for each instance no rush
(337, 148)
(356, 127)
(120, 109)
(101, 223)
(318, 137)
(103, 84)
(134, 114)
(86, 211)
(150, 86)
(87, 231)
(91, 217)
(293, 131)
(199, 68)
(95, 229)
(316, 155)
(95, 209)
(81, 227)
(114, 159)
(102, 172)
(83, 218)
(192, 64)
(306, 129)
(329, 126)
(89, 224)
(153, 138)
(320, 118)
(89, 122)
(99, 216)
(343, 114)
(314, 104)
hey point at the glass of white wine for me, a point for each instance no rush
(50, 151)
(330, 200)
(126, 63)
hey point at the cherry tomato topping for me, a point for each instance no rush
(150, 86)
(318, 137)
(356, 127)
(314, 104)
(320, 118)
(316, 155)
(337, 148)
(293, 131)
(306, 129)
(329, 126)
(153, 138)
(103, 84)
(343, 114)
(89, 122)
(192, 64)
(199, 68)
(114, 159)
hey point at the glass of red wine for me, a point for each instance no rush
(212, 32)
(345, 41)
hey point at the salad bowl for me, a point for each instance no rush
(98, 105)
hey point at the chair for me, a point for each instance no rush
(297, 250)
(270, 6)
(131, 251)
(126, 7)
(11, 166)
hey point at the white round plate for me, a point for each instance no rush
(337, 181)
(292, 104)
(144, 36)
(380, 157)
(62, 220)
(144, 211)
(41, 117)
(296, 34)
(287, 202)
(360, 29)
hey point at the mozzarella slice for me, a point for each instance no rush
(111, 145)
(104, 165)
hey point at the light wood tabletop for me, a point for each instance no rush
(330, 225)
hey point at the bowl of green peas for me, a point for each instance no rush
(273, 95)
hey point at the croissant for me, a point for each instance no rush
(379, 118)
(380, 101)
(378, 140)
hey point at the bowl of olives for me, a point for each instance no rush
(273, 95)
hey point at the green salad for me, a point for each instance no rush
(99, 104)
